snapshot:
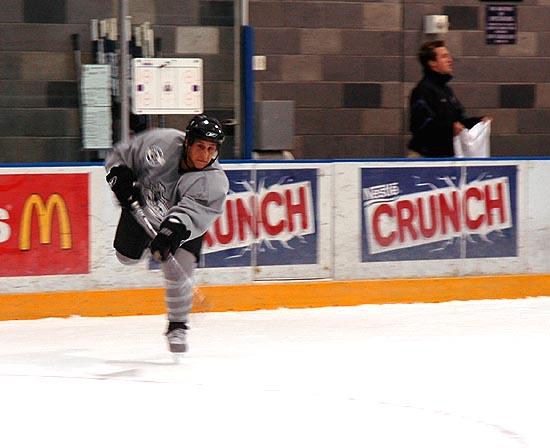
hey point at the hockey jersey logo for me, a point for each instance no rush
(155, 156)
(155, 198)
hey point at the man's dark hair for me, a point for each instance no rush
(427, 52)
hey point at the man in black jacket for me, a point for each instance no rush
(436, 115)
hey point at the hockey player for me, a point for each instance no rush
(178, 180)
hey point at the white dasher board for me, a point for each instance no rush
(167, 86)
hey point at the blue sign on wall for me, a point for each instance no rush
(270, 219)
(439, 213)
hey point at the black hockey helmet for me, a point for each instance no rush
(205, 128)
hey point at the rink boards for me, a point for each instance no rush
(293, 234)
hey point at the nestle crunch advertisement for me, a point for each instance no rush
(443, 212)
(269, 219)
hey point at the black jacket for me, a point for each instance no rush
(433, 110)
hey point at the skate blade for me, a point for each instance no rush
(178, 357)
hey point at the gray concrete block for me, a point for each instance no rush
(533, 121)
(332, 147)
(343, 15)
(535, 18)
(542, 95)
(12, 11)
(505, 121)
(454, 41)
(393, 95)
(47, 66)
(38, 11)
(304, 14)
(11, 66)
(173, 12)
(311, 121)
(520, 145)
(370, 43)
(20, 94)
(412, 69)
(462, 17)
(526, 45)
(146, 10)
(543, 44)
(477, 94)
(42, 122)
(320, 41)
(356, 69)
(41, 37)
(277, 41)
(216, 13)
(381, 121)
(220, 93)
(301, 68)
(502, 70)
(517, 96)
(349, 147)
(362, 95)
(344, 121)
(382, 69)
(82, 12)
(328, 122)
(412, 41)
(343, 68)
(473, 44)
(62, 94)
(317, 95)
(40, 149)
(267, 14)
(197, 40)
(382, 16)
(218, 67)
(167, 34)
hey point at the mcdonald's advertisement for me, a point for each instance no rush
(44, 224)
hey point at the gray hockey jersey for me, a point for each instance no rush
(195, 198)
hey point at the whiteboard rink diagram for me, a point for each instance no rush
(167, 86)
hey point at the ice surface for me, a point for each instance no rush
(471, 374)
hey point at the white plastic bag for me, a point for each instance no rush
(475, 142)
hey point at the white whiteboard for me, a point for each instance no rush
(167, 86)
(95, 97)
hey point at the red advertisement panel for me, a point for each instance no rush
(44, 224)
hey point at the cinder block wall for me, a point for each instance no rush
(348, 66)
(39, 116)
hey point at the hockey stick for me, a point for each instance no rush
(144, 222)
(171, 262)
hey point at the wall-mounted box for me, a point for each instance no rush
(436, 24)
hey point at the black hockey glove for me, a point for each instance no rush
(121, 180)
(170, 236)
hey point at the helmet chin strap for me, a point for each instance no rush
(215, 157)
(185, 161)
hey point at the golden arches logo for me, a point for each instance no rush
(45, 219)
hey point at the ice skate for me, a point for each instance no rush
(177, 338)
